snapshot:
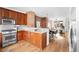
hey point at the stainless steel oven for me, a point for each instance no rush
(8, 37)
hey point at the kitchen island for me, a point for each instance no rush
(36, 36)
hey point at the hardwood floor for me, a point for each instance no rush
(58, 44)
(54, 46)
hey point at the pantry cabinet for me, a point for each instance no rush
(31, 19)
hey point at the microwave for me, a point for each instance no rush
(7, 22)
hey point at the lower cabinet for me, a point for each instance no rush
(25, 35)
(38, 39)
(0, 40)
(19, 35)
(33, 38)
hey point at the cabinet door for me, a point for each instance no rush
(29, 36)
(44, 40)
(0, 39)
(18, 21)
(5, 13)
(43, 23)
(38, 40)
(33, 38)
(0, 13)
(24, 19)
(20, 35)
(13, 15)
(25, 35)
(20, 18)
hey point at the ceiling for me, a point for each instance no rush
(50, 12)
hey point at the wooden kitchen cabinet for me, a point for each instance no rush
(0, 13)
(18, 21)
(0, 40)
(29, 36)
(33, 38)
(43, 22)
(21, 19)
(39, 39)
(19, 35)
(13, 15)
(24, 19)
(25, 35)
(5, 13)
(31, 19)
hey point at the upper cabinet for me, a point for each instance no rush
(4, 13)
(41, 22)
(13, 14)
(0, 13)
(31, 19)
(25, 19)
(20, 18)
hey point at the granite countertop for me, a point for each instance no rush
(30, 29)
